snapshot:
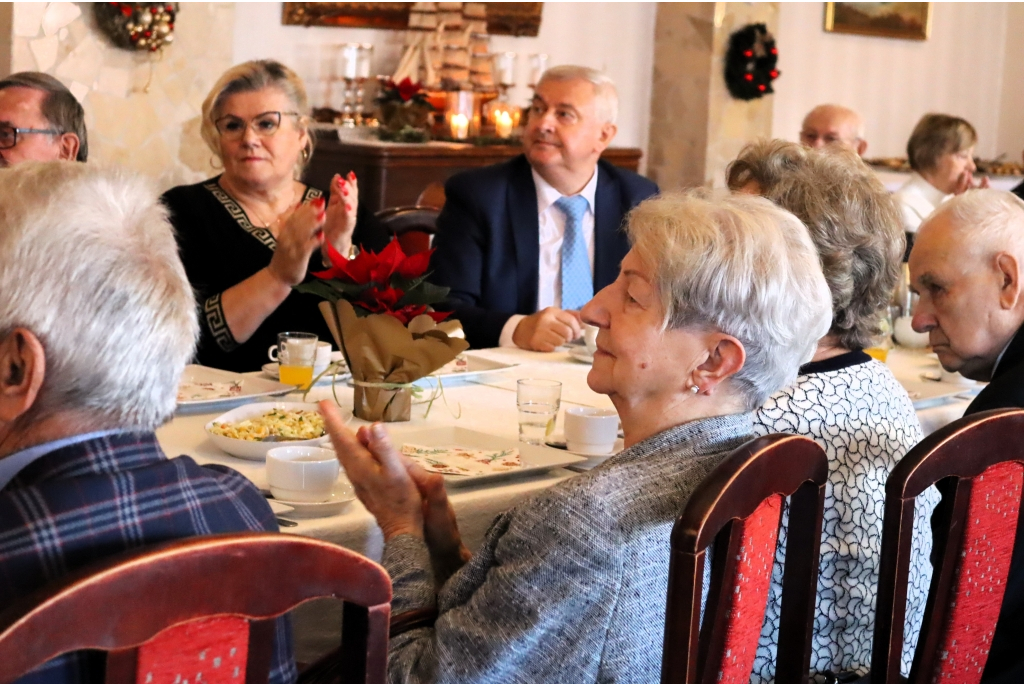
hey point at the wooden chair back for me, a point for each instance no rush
(202, 604)
(413, 227)
(738, 508)
(432, 196)
(982, 456)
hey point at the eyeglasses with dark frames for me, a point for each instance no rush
(9, 134)
(264, 125)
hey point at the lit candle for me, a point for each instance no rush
(460, 126)
(350, 60)
(503, 124)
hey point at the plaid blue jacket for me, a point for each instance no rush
(86, 501)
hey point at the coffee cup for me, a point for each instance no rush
(591, 431)
(590, 337)
(323, 357)
(302, 474)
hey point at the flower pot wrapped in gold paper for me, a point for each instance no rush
(386, 356)
(377, 307)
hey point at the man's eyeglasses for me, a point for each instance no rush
(9, 134)
(264, 125)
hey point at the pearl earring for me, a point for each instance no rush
(695, 389)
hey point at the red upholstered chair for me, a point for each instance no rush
(201, 606)
(413, 227)
(983, 457)
(738, 508)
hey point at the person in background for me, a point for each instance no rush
(250, 234)
(569, 585)
(834, 125)
(967, 266)
(844, 400)
(40, 120)
(97, 323)
(524, 244)
(941, 154)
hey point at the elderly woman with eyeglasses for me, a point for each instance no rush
(250, 234)
(716, 305)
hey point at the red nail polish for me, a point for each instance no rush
(318, 203)
(344, 190)
(348, 207)
(351, 174)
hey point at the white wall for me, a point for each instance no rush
(614, 37)
(959, 70)
(1011, 113)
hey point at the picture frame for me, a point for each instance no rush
(906, 20)
(503, 18)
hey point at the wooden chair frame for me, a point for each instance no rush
(789, 465)
(962, 450)
(400, 221)
(257, 576)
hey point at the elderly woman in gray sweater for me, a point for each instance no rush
(715, 307)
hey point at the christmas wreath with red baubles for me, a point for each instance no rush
(750, 62)
(147, 26)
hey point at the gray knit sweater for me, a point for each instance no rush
(569, 585)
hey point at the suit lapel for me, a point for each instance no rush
(522, 213)
(609, 240)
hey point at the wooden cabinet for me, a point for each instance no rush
(393, 175)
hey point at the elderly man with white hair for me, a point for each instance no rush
(967, 265)
(569, 585)
(97, 322)
(524, 244)
(834, 125)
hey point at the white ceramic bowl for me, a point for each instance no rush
(906, 335)
(254, 450)
(302, 474)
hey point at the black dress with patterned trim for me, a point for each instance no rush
(220, 247)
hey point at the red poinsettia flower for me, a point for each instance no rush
(411, 311)
(415, 265)
(386, 263)
(379, 300)
(407, 89)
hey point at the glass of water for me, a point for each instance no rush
(538, 402)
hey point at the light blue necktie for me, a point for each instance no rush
(577, 281)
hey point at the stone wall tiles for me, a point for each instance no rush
(141, 111)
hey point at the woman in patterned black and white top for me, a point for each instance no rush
(846, 401)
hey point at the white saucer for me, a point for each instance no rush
(337, 501)
(557, 441)
(582, 354)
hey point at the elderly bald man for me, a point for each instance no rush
(967, 266)
(834, 125)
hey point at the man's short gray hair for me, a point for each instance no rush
(59, 107)
(606, 96)
(89, 264)
(993, 218)
(740, 265)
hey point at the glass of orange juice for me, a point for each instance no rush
(295, 354)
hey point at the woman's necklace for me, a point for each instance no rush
(269, 225)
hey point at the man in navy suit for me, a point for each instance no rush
(524, 244)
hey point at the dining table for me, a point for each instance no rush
(487, 403)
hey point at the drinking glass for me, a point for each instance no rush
(538, 402)
(296, 354)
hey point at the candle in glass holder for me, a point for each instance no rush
(538, 65)
(350, 61)
(503, 124)
(460, 126)
(505, 68)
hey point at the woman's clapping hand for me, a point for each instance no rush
(299, 236)
(341, 212)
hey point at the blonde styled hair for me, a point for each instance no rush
(936, 135)
(248, 77)
(854, 223)
(740, 265)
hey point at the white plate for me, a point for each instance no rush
(252, 388)
(342, 495)
(926, 394)
(535, 458)
(477, 366)
(257, 450)
(582, 354)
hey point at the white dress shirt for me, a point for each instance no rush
(551, 221)
(918, 198)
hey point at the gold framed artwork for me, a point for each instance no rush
(503, 18)
(909, 20)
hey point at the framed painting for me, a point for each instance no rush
(910, 20)
(503, 18)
